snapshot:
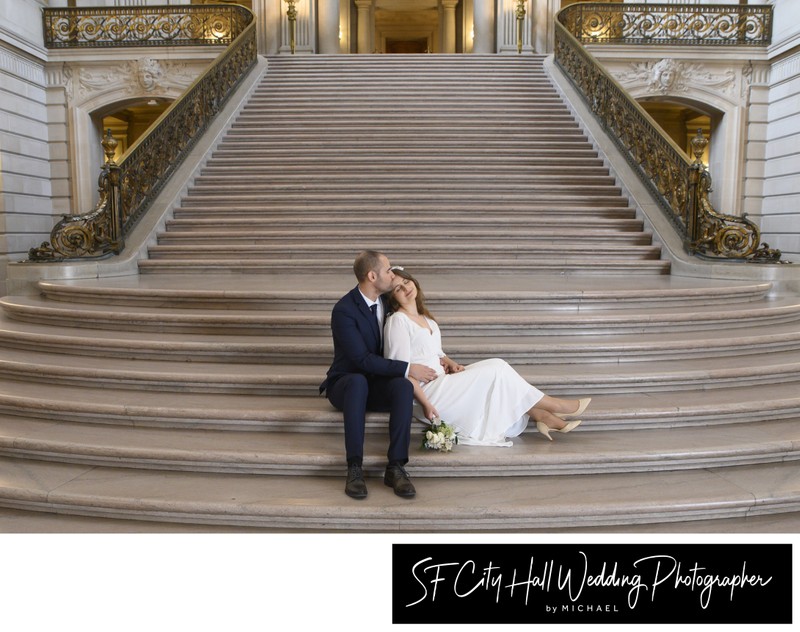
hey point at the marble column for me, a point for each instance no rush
(483, 26)
(364, 26)
(449, 26)
(328, 26)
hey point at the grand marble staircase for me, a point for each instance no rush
(187, 394)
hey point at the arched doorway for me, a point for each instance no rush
(681, 121)
(128, 121)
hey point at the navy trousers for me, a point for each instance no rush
(354, 394)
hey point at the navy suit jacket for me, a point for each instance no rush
(357, 346)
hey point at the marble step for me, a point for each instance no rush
(615, 213)
(279, 166)
(443, 291)
(449, 70)
(563, 265)
(403, 61)
(277, 349)
(395, 148)
(442, 504)
(406, 96)
(385, 93)
(20, 521)
(356, 187)
(468, 199)
(518, 251)
(320, 454)
(615, 223)
(234, 181)
(299, 379)
(418, 78)
(254, 412)
(415, 83)
(472, 322)
(487, 71)
(387, 109)
(545, 101)
(474, 237)
(374, 140)
(364, 123)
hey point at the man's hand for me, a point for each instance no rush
(421, 373)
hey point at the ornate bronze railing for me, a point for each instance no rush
(680, 185)
(144, 26)
(128, 188)
(725, 25)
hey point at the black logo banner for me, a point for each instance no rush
(592, 583)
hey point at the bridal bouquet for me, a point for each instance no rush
(439, 436)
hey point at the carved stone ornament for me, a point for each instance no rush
(668, 76)
(69, 84)
(149, 73)
(135, 76)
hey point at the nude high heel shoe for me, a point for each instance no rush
(583, 404)
(545, 429)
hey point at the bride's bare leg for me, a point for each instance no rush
(547, 418)
(556, 405)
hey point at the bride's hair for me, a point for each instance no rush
(422, 308)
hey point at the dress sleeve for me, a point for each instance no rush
(397, 339)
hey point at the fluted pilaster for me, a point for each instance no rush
(364, 26)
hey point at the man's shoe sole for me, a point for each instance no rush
(406, 495)
(356, 496)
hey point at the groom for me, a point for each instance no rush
(361, 379)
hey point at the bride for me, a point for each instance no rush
(487, 401)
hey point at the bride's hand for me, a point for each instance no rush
(430, 412)
(451, 366)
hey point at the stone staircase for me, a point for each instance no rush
(187, 394)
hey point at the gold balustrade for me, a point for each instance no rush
(680, 185)
(200, 25)
(720, 25)
(129, 187)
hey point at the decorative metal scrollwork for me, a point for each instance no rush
(729, 25)
(680, 185)
(144, 26)
(127, 189)
(716, 234)
(96, 233)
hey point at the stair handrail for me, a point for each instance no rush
(128, 187)
(680, 185)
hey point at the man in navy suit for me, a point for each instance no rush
(361, 379)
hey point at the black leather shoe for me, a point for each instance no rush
(355, 487)
(397, 477)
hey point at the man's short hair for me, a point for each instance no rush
(366, 262)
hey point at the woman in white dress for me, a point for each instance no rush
(486, 402)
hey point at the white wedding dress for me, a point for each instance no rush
(485, 403)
